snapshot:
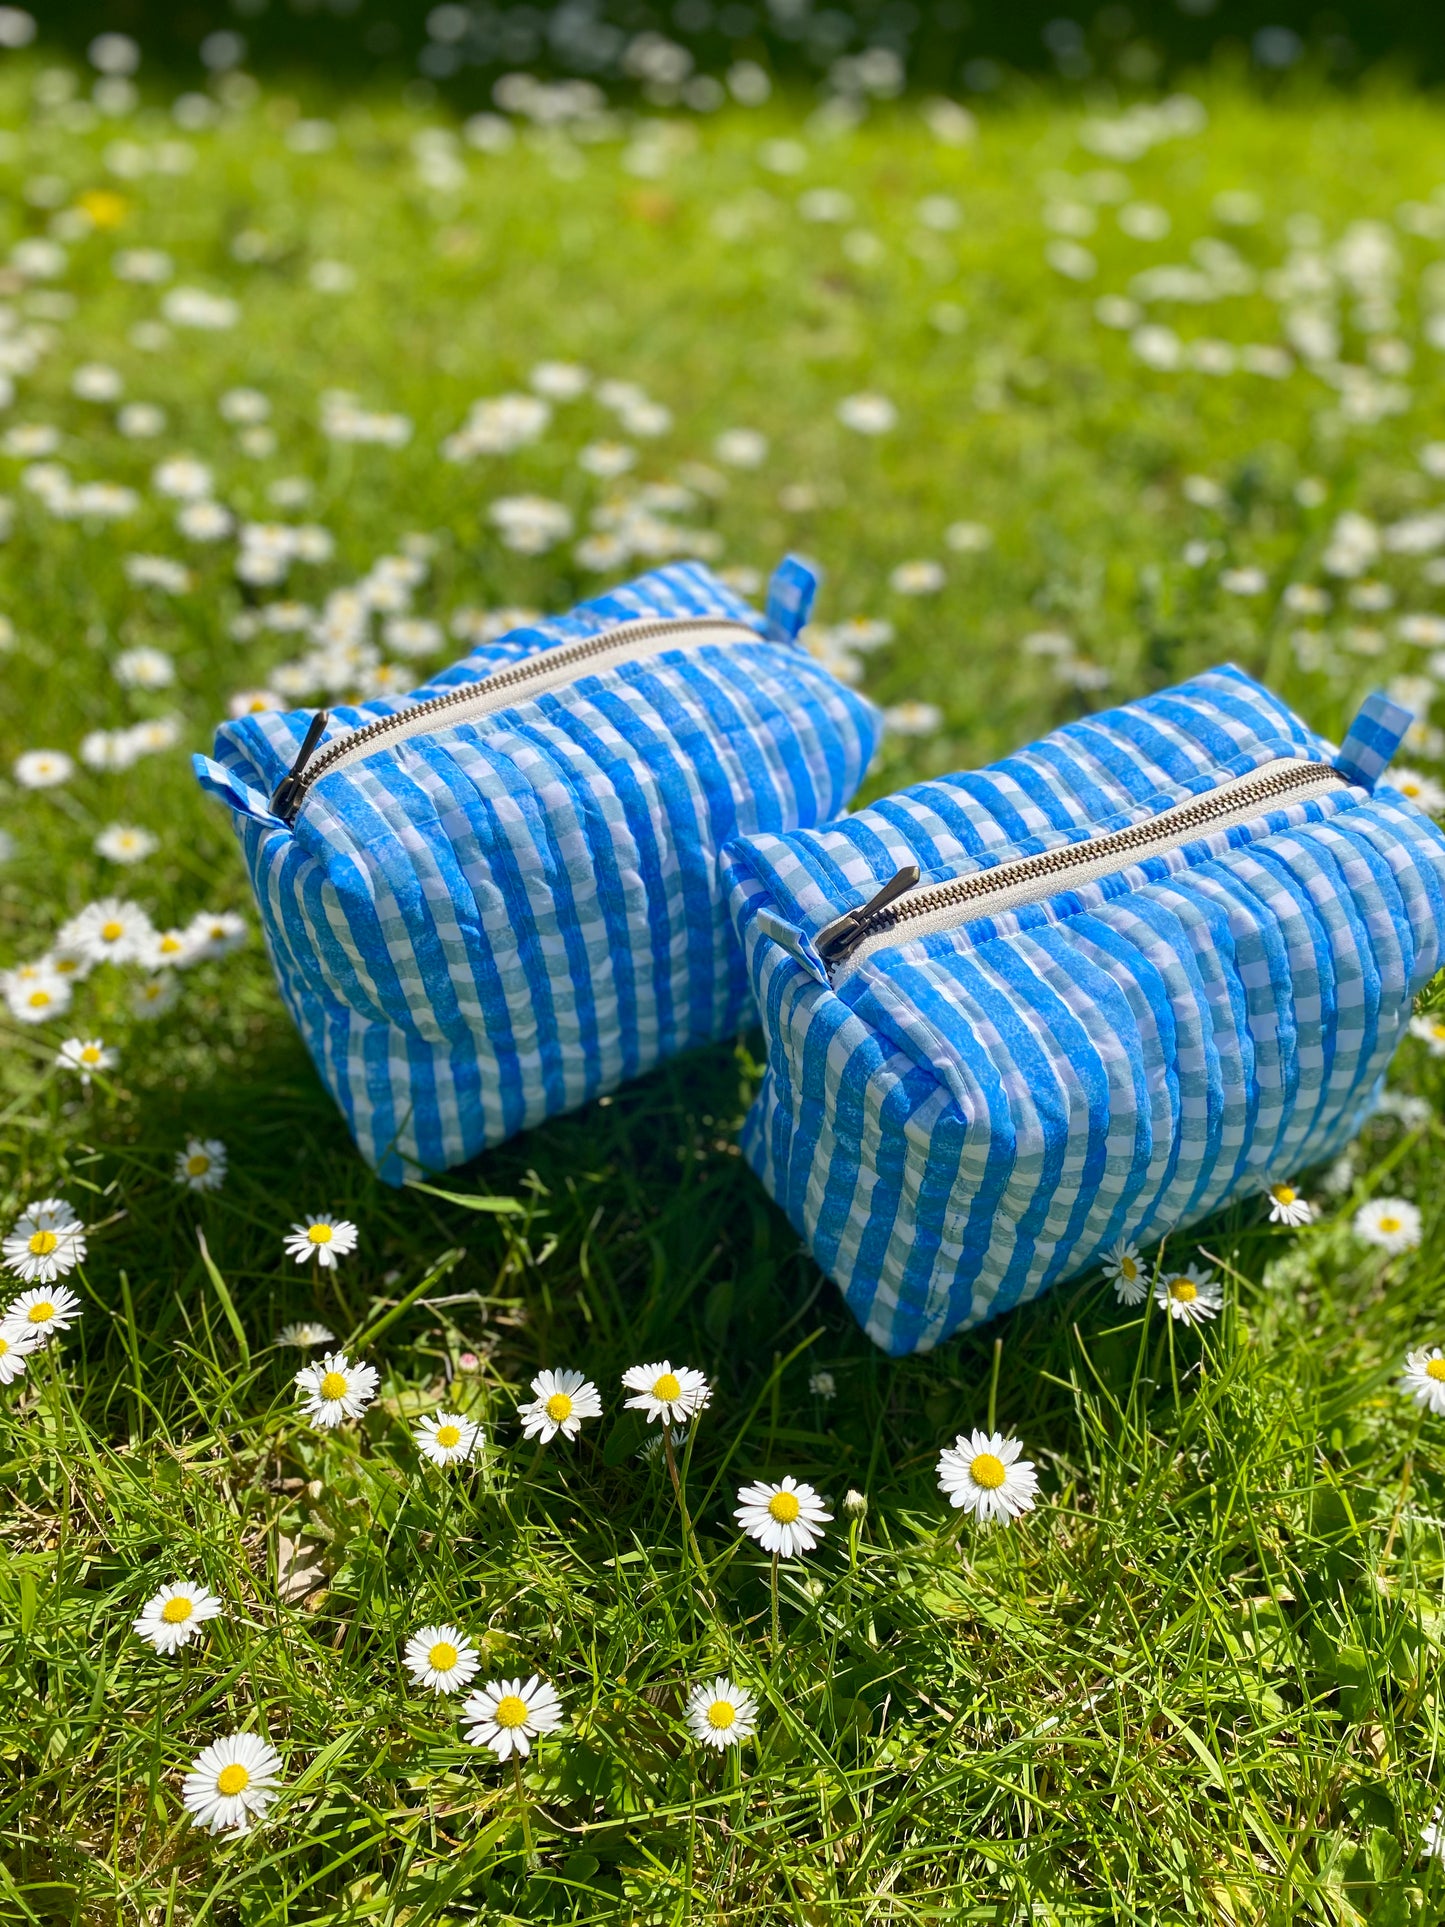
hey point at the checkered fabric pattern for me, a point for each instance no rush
(977, 1115)
(480, 927)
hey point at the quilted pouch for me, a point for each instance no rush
(495, 898)
(1156, 961)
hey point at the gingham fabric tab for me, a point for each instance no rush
(481, 926)
(964, 1120)
(791, 594)
(1374, 736)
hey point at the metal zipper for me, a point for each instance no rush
(901, 914)
(629, 641)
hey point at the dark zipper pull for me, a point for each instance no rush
(839, 939)
(287, 800)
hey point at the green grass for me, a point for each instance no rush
(1203, 1680)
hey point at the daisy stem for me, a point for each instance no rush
(523, 1809)
(777, 1641)
(993, 1384)
(687, 1531)
(531, 1471)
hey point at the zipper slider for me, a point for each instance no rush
(836, 940)
(287, 800)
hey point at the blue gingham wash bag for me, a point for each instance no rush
(495, 898)
(1155, 961)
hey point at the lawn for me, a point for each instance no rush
(1151, 387)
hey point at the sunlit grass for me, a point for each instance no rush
(1202, 1680)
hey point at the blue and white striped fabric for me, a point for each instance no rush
(976, 1115)
(484, 925)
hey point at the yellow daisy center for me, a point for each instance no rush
(511, 1710)
(988, 1471)
(668, 1387)
(42, 1243)
(177, 1611)
(1184, 1291)
(558, 1407)
(449, 1435)
(232, 1779)
(4, 1344)
(66, 966)
(319, 1234)
(443, 1656)
(721, 1715)
(38, 999)
(1436, 1370)
(197, 1164)
(112, 931)
(784, 1507)
(333, 1385)
(1389, 1222)
(41, 1313)
(1285, 1193)
(170, 944)
(1129, 1268)
(89, 1054)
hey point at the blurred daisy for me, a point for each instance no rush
(785, 1519)
(1125, 1270)
(42, 769)
(560, 1401)
(336, 1389)
(917, 578)
(822, 1385)
(232, 1783)
(40, 1312)
(154, 997)
(669, 1396)
(175, 1615)
(721, 1714)
(446, 1437)
(108, 930)
(507, 1715)
(305, 1334)
(45, 1242)
(122, 843)
(442, 1658)
(324, 1238)
(85, 1056)
(1391, 1223)
(1423, 791)
(215, 933)
(1287, 1205)
(986, 1477)
(867, 414)
(36, 995)
(913, 718)
(202, 1165)
(1191, 1296)
(1431, 1032)
(16, 1346)
(1425, 1378)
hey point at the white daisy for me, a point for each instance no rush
(42, 769)
(305, 1334)
(1431, 1032)
(1287, 1205)
(109, 929)
(46, 1241)
(323, 1238)
(822, 1385)
(560, 1401)
(156, 995)
(1191, 1295)
(124, 843)
(446, 1438)
(16, 1345)
(984, 1474)
(507, 1715)
(202, 1165)
(1125, 1269)
(720, 1714)
(1425, 1378)
(85, 1055)
(37, 995)
(442, 1658)
(41, 1312)
(176, 1614)
(664, 1394)
(786, 1519)
(336, 1389)
(232, 1783)
(1391, 1223)
(215, 933)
